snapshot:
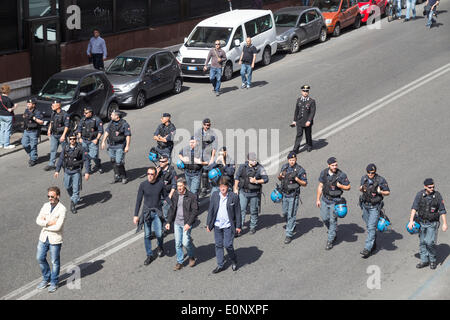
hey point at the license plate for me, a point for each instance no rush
(192, 68)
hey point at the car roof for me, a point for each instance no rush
(233, 18)
(294, 10)
(142, 52)
(75, 73)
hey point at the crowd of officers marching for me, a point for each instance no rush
(234, 192)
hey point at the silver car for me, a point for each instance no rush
(297, 26)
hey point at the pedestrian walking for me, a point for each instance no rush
(207, 139)
(168, 175)
(305, 110)
(96, 50)
(430, 10)
(410, 6)
(164, 136)
(183, 212)
(32, 121)
(247, 62)
(51, 218)
(90, 130)
(191, 159)
(57, 131)
(428, 208)
(217, 57)
(224, 217)
(7, 108)
(332, 184)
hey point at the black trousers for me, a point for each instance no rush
(298, 137)
(97, 61)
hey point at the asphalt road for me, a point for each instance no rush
(405, 134)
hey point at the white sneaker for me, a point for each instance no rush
(243, 86)
(11, 146)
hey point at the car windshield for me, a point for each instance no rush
(328, 5)
(63, 89)
(205, 37)
(285, 20)
(126, 66)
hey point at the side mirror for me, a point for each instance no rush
(83, 94)
(185, 40)
(302, 24)
(237, 42)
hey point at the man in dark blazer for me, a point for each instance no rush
(305, 111)
(224, 216)
(183, 211)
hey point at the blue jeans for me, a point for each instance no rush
(92, 150)
(54, 144)
(254, 203)
(154, 224)
(290, 207)
(329, 218)
(41, 256)
(5, 130)
(183, 238)
(117, 154)
(72, 183)
(430, 19)
(193, 181)
(370, 215)
(410, 4)
(399, 8)
(224, 238)
(30, 142)
(215, 76)
(246, 74)
(427, 237)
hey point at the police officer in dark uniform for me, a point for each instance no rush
(226, 166)
(305, 110)
(57, 131)
(374, 188)
(72, 158)
(119, 138)
(90, 129)
(332, 184)
(164, 135)
(428, 207)
(248, 184)
(191, 157)
(167, 173)
(208, 141)
(292, 177)
(32, 121)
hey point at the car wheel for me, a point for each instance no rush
(337, 30)
(140, 99)
(112, 106)
(266, 56)
(295, 45)
(357, 23)
(323, 35)
(228, 71)
(74, 122)
(177, 85)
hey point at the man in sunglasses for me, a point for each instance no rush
(164, 135)
(51, 218)
(218, 58)
(72, 159)
(305, 110)
(168, 175)
(427, 209)
(374, 188)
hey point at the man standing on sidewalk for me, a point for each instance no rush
(51, 219)
(247, 62)
(32, 121)
(57, 131)
(217, 57)
(97, 50)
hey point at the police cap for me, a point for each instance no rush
(251, 156)
(291, 155)
(165, 114)
(428, 182)
(371, 167)
(207, 120)
(89, 108)
(32, 100)
(305, 87)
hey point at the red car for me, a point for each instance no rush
(367, 8)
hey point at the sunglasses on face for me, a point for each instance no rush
(217, 44)
(371, 172)
(51, 197)
(72, 138)
(430, 187)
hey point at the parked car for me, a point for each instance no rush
(76, 89)
(367, 8)
(139, 74)
(339, 14)
(297, 26)
(231, 29)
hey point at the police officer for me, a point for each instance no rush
(72, 158)
(118, 134)
(90, 129)
(427, 208)
(164, 135)
(226, 166)
(167, 173)
(332, 183)
(248, 184)
(208, 141)
(32, 120)
(292, 177)
(57, 131)
(374, 188)
(191, 157)
(305, 110)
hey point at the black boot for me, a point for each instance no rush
(116, 173)
(122, 173)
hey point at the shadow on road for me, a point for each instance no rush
(206, 252)
(247, 255)
(136, 173)
(86, 269)
(94, 198)
(442, 253)
(305, 225)
(347, 233)
(386, 240)
(265, 221)
(228, 89)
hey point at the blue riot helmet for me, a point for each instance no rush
(341, 208)
(276, 195)
(415, 228)
(214, 174)
(153, 155)
(180, 164)
(383, 223)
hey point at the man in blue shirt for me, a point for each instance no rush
(97, 50)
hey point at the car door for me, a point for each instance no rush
(345, 13)
(90, 93)
(313, 20)
(101, 93)
(164, 63)
(236, 51)
(152, 78)
(302, 32)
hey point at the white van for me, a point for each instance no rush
(231, 28)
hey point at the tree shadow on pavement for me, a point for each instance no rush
(305, 225)
(86, 269)
(347, 233)
(386, 240)
(91, 199)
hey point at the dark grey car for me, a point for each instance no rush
(297, 26)
(139, 74)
